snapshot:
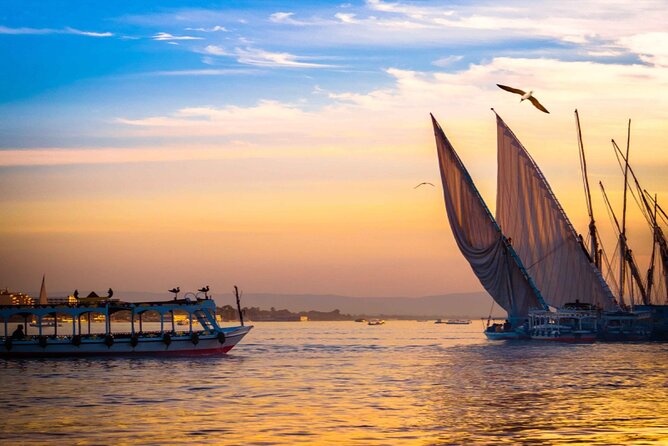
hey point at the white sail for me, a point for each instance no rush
(43, 299)
(480, 239)
(543, 237)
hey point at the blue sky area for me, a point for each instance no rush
(72, 65)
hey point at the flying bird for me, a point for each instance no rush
(423, 184)
(524, 95)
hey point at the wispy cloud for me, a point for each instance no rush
(216, 50)
(284, 17)
(66, 30)
(261, 58)
(87, 33)
(170, 37)
(447, 61)
(203, 72)
(213, 29)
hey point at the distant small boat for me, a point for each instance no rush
(458, 322)
(376, 322)
(360, 320)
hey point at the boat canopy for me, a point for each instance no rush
(480, 239)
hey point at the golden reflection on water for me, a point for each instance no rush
(347, 383)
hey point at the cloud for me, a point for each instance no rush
(447, 61)
(651, 47)
(213, 29)
(393, 121)
(284, 17)
(261, 58)
(202, 72)
(216, 50)
(87, 33)
(66, 30)
(397, 116)
(346, 18)
(169, 37)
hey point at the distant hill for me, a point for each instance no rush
(469, 305)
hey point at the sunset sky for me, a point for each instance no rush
(276, 145)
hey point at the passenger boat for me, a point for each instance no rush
(210, 339)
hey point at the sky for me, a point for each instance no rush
(276, 145)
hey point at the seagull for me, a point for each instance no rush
(204, 289)
(424, 183)
(176, 291)
(525, 95)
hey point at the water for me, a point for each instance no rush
(349, 383)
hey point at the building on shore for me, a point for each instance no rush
(15, 298)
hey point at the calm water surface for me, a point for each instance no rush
(348, 383)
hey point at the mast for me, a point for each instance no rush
(628, 256)
(650, 214)
(660, 239)
(594, 253)
(622, 234)
(650, 270)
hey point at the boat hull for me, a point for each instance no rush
(208, 344)
(503, 335)
(569, 339)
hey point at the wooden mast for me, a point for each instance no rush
(622, 234)
(594, 250)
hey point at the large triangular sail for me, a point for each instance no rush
(543, 237)
(479, 238)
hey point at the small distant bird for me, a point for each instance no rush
(424, 183)
(176, 291)
(524, 95)
(110, 293)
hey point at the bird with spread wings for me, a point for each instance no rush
(525, 96)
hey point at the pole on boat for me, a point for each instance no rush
(132, 321)
(173, 328)
(622, 236)
(39, 325)
(594, 253)
(238, 296)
